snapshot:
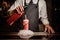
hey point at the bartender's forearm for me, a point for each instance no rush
(45, 21)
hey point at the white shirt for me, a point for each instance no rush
(41, 6)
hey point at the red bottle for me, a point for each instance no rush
(14, 17)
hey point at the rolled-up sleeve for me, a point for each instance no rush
(16, 4)
(43, 14)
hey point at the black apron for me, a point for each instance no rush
(32, 14)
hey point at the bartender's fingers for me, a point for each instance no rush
(21, 8)
(49, 31)
(52, 31)
(18, 10)
(45, 29)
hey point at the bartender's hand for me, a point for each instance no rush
(20, 9)
(49, 29)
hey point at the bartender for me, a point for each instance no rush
(35, 9)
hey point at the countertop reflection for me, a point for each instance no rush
(14, 36)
